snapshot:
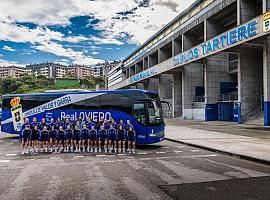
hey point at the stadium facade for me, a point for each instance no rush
(211, 62)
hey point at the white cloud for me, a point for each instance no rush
(8, 48)
(9, 63)
(138, 26)
(77, 57)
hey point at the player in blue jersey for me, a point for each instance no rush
(89, 123)
(35, 138)
(51, 124)
(93, 139)
(42, 124)
(131, 139)
(34, 123)
(106, 124)
(60, 137)
(26, 123)
(103, 139)
(96, 124)
(121, 138)
(77, 138)
(43, 139)
(84, 137)
(25, 135)
(111, 138)
(128, 125)
(52, 134)
(112, 122)
(68, 139)
(121, 123)
(59, 123)
(66, 123)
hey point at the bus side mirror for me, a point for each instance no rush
(168, 104)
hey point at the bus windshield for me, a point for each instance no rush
(154, 110)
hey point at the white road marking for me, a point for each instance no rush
(100, 155)
(178, 151)
(160, 152)
(194, 150)
(4, 161)
(142, 153)
(11, 154)
(121, 154)
(80, 156)
(165, 147)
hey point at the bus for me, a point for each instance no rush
(143, 108)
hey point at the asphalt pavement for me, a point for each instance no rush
(166, 170)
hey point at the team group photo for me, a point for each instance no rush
(91, 136)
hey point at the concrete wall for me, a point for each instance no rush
(177, 95)
(216, 71)
(192, 76)
(153, 84)
(246, 10)
(166, 92)
(250, 81)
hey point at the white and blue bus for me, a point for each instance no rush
(142, 108)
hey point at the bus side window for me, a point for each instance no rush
(139, 112)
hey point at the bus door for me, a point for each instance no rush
(139, 116)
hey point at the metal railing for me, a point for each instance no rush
(228, 97)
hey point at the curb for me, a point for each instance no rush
(244, 157)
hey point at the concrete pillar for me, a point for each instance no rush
(153, 84)
(250, 82)
(246, 10)
(140, 86)
(266, 80)
(192, 77)
(216, 71)
(266, 5)
(166, 91)
(177, 95)
(177, 47)
(145, 63)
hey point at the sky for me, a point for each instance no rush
(82, 32)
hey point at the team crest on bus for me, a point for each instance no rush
(266, 22)
(17, 114)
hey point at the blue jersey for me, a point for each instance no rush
(24, 125)
(93, 135)
(58, 124)
(111, 133)
(68, 134)
(26, 133)
(96, 125)
(89, 125)
(53, 134)
(43, 136)
(35, 134)
(84, 134)
(106, 126)
(114, 125)
(33, 124)
(127, 127)
(131, 136)
(123, 126)
(77, 134)
(121, 135)
(50, 125)
(60, 135)
(102, 134)
(42, 125)
(65, 125)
